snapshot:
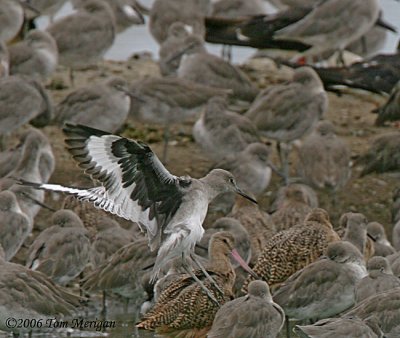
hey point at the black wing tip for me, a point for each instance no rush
(21, 181)
(71, 129)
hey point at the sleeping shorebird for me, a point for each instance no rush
(136, 186)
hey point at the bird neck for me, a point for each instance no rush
(220, 264)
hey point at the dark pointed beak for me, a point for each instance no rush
(381, 23)
(235, 255)
(180, 53)
(241, 193)
(371, 237)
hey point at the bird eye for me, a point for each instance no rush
(231, 180)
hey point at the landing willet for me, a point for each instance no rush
(380, 278)
(385, 307)
(21, 101)
(251, 170)
(341, 328)
(136, 186)
(31, 294)
(258, 224)
(168, 101)
(324, 159)
(292, 209)
(109, 239)
(36, 56)
(381, 244)
(11, 19)
(199, 66)
(287, 112)
(355, 225)
(324, 288)
(62, 250)
(15, 226)
(164, 13)
(102, 105)
(176, 38)
(322, 28)
(122, 273)
(4, 60)
(383, 154)
(254, 315)
(390, 111)
(83, 37)
(221, 133)
(183, 308)
(291, 250)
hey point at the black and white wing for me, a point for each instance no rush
(134, 183)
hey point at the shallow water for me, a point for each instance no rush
(137, 39)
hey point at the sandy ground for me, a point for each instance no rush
(350, 113)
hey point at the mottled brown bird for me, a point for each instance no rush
(292, 209)
(291, 250)
(258, 224)
(184, 309)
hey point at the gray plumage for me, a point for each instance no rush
(380, 278)
(390, 111)
(237, 8)
(102, 105)
(36, 56)
(324, 158)
(62, 250)
(396, 236)
(15, 226)
(83, 37)
(4, 60)
(199, 66)
(11, 19)
(355, 225)
(325, 287)
(381, 244)
(255, 315)
(220, 132)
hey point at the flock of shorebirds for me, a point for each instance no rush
(248, 273)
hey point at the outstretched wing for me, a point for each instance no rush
(135, 184)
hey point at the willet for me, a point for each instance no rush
(102, 105)
(83, 37)
(169, 100)
(233, 226)
(62, 250)
(164, 13)
(380, 278)
(122, 273)
(291, 250)
(36, 56)
(251, 170)
(396, 205)
(385, 307)
(11, 19)
(31, 294)
(383, 154)
(282, 4)
(273, 114)
(199, 66)
(292, 209)
(355, 225)
(15, 226)
(177, 34)
(322, 29)
(221, 133)
(324, 288)
(258, 224)
(341, 328)
(9, 159)
(324, 159)
(109, 239)
(381, 244)
(21, 101)
(183, 308)
(254, 315)
(390, 111)
(4, 60)
(394, 261)
(136, 186)
(370, 43)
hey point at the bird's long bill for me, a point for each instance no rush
(179, 53)
(242, 263)
(241, 193)
(381, 23)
